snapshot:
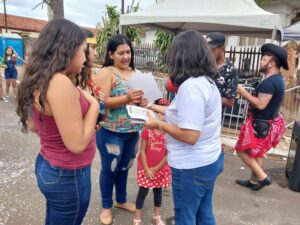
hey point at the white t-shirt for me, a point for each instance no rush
(197, 106)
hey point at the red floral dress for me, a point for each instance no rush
(155, 152)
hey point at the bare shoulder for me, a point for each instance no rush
(60, 80)
(105, 75)
(106, 71)
(61, 85)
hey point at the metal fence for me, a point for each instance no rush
(234, 116)
(246, 59)
(290, 108)
(147, 57)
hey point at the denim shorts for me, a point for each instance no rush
(10, 74)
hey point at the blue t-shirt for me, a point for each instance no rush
(273, 85)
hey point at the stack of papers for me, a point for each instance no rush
(139, 114)
(145, 82)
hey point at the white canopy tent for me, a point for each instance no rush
(235, 17)
(292, 32)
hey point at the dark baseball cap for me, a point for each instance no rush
(279, 52)
(215, 39)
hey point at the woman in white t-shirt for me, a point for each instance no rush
(193, 127)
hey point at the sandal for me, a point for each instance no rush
(107, 219)
(137, 222)
(157, 220)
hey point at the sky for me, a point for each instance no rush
(83, 12)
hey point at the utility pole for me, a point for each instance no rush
(122, 6)
(121, 28)
(5, 16)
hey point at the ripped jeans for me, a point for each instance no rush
(117, 151)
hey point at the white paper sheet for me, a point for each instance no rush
(147, 83)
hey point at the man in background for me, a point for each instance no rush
(227, 79)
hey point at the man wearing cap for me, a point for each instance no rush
(227, 78)
(265, 126)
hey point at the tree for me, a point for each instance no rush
(110, 27)
(163, 40)
(55, 8)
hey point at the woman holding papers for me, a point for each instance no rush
(118, 136)
(193, 125)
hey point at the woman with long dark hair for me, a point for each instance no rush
(64, 118)
(85, 79)
(118, 136)
(193, 124)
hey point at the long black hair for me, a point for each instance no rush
(52, 53)
(190, 56)
(112, 45)
(12, 52)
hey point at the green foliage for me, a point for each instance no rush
(107, 29)
(262, 2)
(134, 33)
(110, 27)
(163, 40)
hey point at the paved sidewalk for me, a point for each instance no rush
(22, 203)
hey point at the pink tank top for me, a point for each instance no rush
(53, 148)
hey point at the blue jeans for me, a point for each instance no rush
(192, 193)
(117, 151)
(67, 192)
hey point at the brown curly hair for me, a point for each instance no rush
(52, 53)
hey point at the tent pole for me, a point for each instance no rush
(273, 35)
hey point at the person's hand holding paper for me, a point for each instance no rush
(147, 83)
(135, 96)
